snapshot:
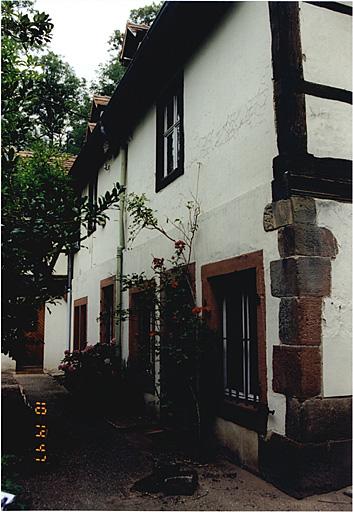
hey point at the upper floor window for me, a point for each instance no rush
(92, 200)
(170, 135)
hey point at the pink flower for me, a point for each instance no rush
(157, 262)
(67, 352)
(179, 245)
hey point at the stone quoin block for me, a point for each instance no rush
(303, 209)
(304, 469)
(306, 240)
(288, 211)
(301, 276)
(277, 214)
(300, 320)
(297, 371)
(319, 419)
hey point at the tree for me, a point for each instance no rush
(145, 15)
(42, 97)
(111, 72)
(57, 100)
(41, 213)
(25, 33)
(41, 219)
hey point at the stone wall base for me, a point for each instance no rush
(303, 469)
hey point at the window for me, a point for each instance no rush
(107, 313)
(80, 323)
(234, 291)
(141, 339)
(238, 299)
(92, 201)
(170, 135)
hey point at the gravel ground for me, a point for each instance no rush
(92, 465)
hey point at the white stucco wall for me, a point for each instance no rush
(96, 260)
(7, 363)
(55, 334)
(230, 142)
(327, 59)
(61, 265)
(337, 309)
(327, 45)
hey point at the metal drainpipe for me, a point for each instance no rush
(119, 252)
(70, 262)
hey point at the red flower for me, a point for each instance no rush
(157, 262)
(152, 333)
(179, 245)
(174, 284)
(196, 310)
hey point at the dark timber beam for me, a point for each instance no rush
(287, 71)
(295, 171)
(334, 6)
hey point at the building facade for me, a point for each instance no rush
(249, 110)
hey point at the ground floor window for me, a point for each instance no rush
(142, 339)
(107, 310)
(80, 323)
(238, 302)
(234, 292)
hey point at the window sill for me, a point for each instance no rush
(162, 182)
(251, 416)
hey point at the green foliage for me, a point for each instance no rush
(181, 337)
(145, 15)
(41, 95)
(24, 34)
(9, 478)
(60, 101)
(111, 72)
(41, 219)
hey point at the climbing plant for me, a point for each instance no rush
(183, 343)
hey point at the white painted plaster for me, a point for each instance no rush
(337, 310)
(327, 46)
(55, 334)
(7, 363)
(243, 443)
(96, 260)
(230, 142)
(60, 268)
(329, 127)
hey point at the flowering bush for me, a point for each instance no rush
(182, 341)
(94, 364)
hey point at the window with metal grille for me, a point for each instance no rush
(170, 135)
(239, 336)
(142, 339)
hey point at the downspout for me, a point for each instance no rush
(70, 263)
(119, 253)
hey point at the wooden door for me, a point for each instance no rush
(30, 358)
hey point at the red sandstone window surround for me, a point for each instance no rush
(80, 323)
(234, 291)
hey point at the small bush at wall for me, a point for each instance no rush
(93, 372)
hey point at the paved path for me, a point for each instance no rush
(92, 465)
